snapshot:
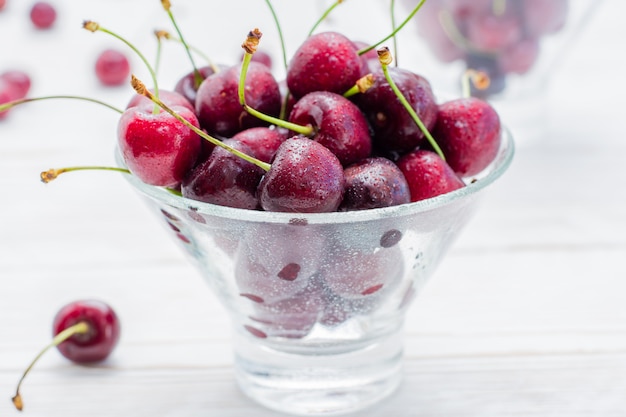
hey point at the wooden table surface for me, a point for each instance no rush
(525, 317)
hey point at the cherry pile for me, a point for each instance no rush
(500, 37)
(343, 131)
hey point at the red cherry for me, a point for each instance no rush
(186, 85)
(171, 98)
(468, 133)
(43, 15)
(2, 4)
(19, 80)
(157, 148)
(428, 175)
(84, 331)
(8, 93)
(305, 177)
(112, 67)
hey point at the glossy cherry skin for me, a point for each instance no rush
(468, 132)
(157, 148)
(225, 179)
(102, 337)
(374, 183)
(186, 85)
(112, 67)
(217, 102)
(43, 15)
(428, 175)
(325, 61)
(338, 123)
(305, 177)
(170, 98)
(262, 141)
(394, 129)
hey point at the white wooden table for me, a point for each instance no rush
(525, 317)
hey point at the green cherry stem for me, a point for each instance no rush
(141, 89)
(249, 47)
(362, 85)
(479, 79)
(280, 32)
(157, 59)
(198, 78)
(166, 35)
(53, 173)
(392, 12)
(324, 16)
(14, 103)
(385, 59)
(94, 26)
(79, 328)
(395, 31)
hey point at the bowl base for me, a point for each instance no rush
(319, 383)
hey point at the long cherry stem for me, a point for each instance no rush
(324, 16)
(14, 103)
(395, 31)
(79, 328)
(166, 35)
(249, 47)
(198, 78)
(141, 89)
(385, 59)
(94, 26)
(53, 173)
(392, 12)
(280, 32)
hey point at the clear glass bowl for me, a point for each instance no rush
(317, 301)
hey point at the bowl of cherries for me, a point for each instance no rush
(316, 206)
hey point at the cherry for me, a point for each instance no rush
(468, 132)
(394, 129)
(112, 67)
(171, 98)
(43, 15)
(326, 61)
(493, 33)
(519, 58)
(8, 93)
(217, 102)
(428, 175)
(84, 331)
(262, 141)
(338, 124)
(373, 183)
(225, 179)
(3, 3)
(305, 177)
(156, 147)
(20, 81)
(187, 86)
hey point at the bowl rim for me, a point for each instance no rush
(494, 171)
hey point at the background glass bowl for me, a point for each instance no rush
(317, 301)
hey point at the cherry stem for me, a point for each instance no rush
(393, 28)
(362, 85)
(395, 31)
(384, 56)
(498, 7)
(165, 34)
(94, 26)
(198, 78)
(479, 79)
(249, 47)
(157, 60)
(78, 328)
(14, 103)
(53, 173)
(280, 33)
(324, 16)
(141, 89)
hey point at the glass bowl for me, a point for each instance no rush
(317, 301)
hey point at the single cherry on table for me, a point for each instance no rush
(85, 331)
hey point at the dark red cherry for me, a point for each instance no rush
(373, 183)
(84, 331)
(157, 148)
(325, 61)
(468, 133)
(394, 129)
(43, 15)
(305, 177)
(338, 123)
(186, 85)
(262, 141)
(112, 67)
(99, 341)
(217, 100)
(225, 179)
(428, 175)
